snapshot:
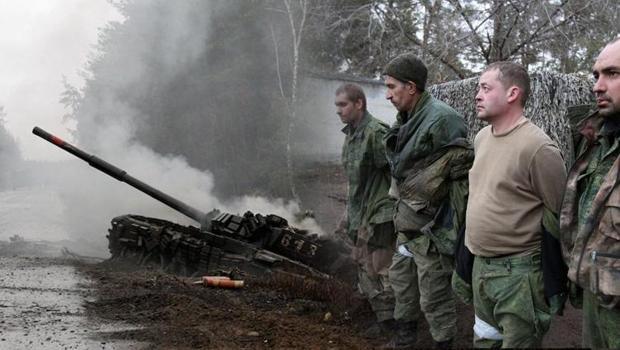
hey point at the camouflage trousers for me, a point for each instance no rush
(372, 277)
(601, 326)
(509, 297)
(421, 282)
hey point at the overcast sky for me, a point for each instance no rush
(40, 42)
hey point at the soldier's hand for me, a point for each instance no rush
(556, 304)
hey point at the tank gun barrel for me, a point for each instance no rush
(122, 176)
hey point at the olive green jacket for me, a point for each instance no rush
(368, 175)
(429, 158)
(431, 125)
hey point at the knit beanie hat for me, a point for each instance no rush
(408, 67)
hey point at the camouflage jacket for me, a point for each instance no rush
(368, 175)
(590, 213)
(429, 159)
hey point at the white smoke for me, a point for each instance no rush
(107, 126)
(91, 199)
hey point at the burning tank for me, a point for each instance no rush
(225, 243)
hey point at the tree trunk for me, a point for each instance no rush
(297, 35)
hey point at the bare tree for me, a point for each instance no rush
(297, 21)
(296, 13)
(458, 37)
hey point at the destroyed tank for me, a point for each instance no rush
(225, 243)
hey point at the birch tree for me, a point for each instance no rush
(295, 14)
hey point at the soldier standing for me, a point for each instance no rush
(590, 215)
(515, 189)
(368, 217)
(425, 148)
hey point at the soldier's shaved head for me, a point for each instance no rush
(606, 71)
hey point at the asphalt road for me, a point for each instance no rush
(41, 307)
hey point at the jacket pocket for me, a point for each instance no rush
(605, 274)
(604, 251)
(411, 216)
(610, 220)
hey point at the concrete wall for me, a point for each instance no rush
(318, 129)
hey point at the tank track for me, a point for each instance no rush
(248, 244)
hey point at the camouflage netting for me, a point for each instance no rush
(552, 94)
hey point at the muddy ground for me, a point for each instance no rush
(177, 314)
(75, 304)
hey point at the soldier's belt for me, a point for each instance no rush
(511, 260)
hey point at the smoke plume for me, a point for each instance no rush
(181, 96)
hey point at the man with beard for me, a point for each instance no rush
(515, 189)
(429, 158)
(590, 214)
(368, 218)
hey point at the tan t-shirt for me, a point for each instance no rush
(513, 177)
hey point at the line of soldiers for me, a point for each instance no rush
(499, 223)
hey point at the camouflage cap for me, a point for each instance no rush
(408, 67)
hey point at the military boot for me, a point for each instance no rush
(405, 336)
(446, 344)
(380, 329)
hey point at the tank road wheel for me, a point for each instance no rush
(162, 262)
(145, 258)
